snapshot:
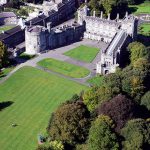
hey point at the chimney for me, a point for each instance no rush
(126, 14)
(117, 16)
(101, 14)
(49, 26)
(30, 23)
(44, 23)
(94, 13)
(108, 17)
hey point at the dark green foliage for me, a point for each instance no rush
(101, 135)
(120, 109)
(3, 55)
(70, 123)
(136, 134)
(145, 100)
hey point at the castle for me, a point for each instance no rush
(116, 33)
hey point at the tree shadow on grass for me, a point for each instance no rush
(4, 105)
(132, 9)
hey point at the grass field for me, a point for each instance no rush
(83, 53)
(144, 29)
(97, 81)
(33, 96)
(5, 28)
(141, 8)
(64, 68)
(5, 72)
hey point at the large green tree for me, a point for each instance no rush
(101, 135)
(70, 123)
(97, 95)
(108, 5)
(136, 134)
(137, 50)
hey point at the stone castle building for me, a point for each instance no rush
(39, 38)
(116, 33)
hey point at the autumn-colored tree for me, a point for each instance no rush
(120, 109)
(70, 123)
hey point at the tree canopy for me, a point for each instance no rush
(136, 134)
(137, 50)
(70, 123)
(145, 100)
(120, 109)
(101, 135)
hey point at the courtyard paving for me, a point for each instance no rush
(58, 54)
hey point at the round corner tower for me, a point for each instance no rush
(35, 39)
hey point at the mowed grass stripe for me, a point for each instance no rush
(64, 68)
(36, 94)
(83, 53)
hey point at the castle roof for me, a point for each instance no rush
(104, 21)
(7, 14)
(12, 31)
(36, 28)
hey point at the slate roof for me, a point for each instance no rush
(7, 14)
(9, 32)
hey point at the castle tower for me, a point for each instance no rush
(35, 39)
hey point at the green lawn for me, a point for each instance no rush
(5, 28)
(5, 72)
(96, 81)
(144, 29)
(83, 53)
(141, 8)
(35, 95)
(64, 68)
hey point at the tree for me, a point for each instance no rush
(3, 55)
(70, 123)
(135, 78)
(145, 100)
(136, 134)
(108, 5)
(120, 109)
(137, 50)
(101, 135)
(97, 95)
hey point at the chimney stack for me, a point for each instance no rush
(49, 26)
(117, 16)
(94, 13)
(30, 23)
(126, 14)
(108, 17)
(101, 14)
